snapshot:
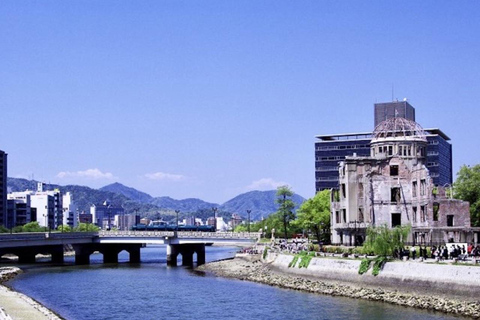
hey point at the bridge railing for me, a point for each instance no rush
(104, 233)
(182, 234)
(45, 235)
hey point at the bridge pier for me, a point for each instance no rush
(57, 254)
(134, 251)
(172, 254)
(187, 251)
(26, 256)
(82, 253)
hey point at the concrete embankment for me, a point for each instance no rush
(14, 305)
(445, 288)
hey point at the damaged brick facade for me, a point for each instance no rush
(393, 187)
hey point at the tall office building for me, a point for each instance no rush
(396, 109)
(3, 189)
(331, 149)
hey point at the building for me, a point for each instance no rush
(103, 215)
(19, 209)
(70, 211)
(396, 109)
(126, 221)
(3, 190)
(392, 186)
(331, 149)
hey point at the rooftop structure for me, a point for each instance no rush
(331, 149)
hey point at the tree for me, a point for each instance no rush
(32, 227)
(314, 215)
(467, 188)
(64, 228)
(382, 240)
(86, 227)
(285, 211)
(3, 229)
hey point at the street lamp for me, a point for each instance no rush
(248, 211)
(215, 217)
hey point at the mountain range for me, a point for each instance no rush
(261, 203)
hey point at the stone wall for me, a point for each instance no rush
(447, 280)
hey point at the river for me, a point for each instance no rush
(151, 290)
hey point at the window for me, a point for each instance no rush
(394, 170)
(450, 220)
(396, 219)
(360, 190)
(414, 209)
(360, 215)
(344, 211)
(390, 150)
(436, 207)
(337, 216)
(414, 189)
(344, 193)
(422, 214)
(395, 195)
(422, 187)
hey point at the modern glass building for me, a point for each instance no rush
(333, 148)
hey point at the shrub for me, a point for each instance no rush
(364, 266)
(293, 262)
(265, 251)
(378, 265)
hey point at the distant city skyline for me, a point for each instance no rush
(212, 99)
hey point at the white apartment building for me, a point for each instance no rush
(70, 212)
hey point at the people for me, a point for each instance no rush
(413, 250)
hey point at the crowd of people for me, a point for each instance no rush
(445, 252)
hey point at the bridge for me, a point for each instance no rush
(110, 243)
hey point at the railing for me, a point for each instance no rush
(45, 235)
(181, 234)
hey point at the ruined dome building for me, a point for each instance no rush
(393, 187)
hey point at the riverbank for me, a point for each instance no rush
(274, 271)
(17, 306)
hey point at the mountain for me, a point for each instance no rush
(188, 205)
(83, 196)
(128, 192)
(262, 204)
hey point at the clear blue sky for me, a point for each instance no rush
(209, 99)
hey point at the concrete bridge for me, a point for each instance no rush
(110, 243)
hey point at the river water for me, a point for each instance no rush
(151, 290)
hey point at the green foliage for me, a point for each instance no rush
(364, 266)
(4, 230)
(265, 252)
(285, 212)
(314, 215)
(293, 262)
(64, 228)
(382, 240)
(17, 229)
(243, 228)
(378, 265)
(86, 227)
(305, 259)
(467, 188)
(32, 227)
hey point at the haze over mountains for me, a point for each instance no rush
(262, 203)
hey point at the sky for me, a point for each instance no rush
(210, 99)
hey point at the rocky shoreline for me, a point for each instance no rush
(15, 305)
(251, 268)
